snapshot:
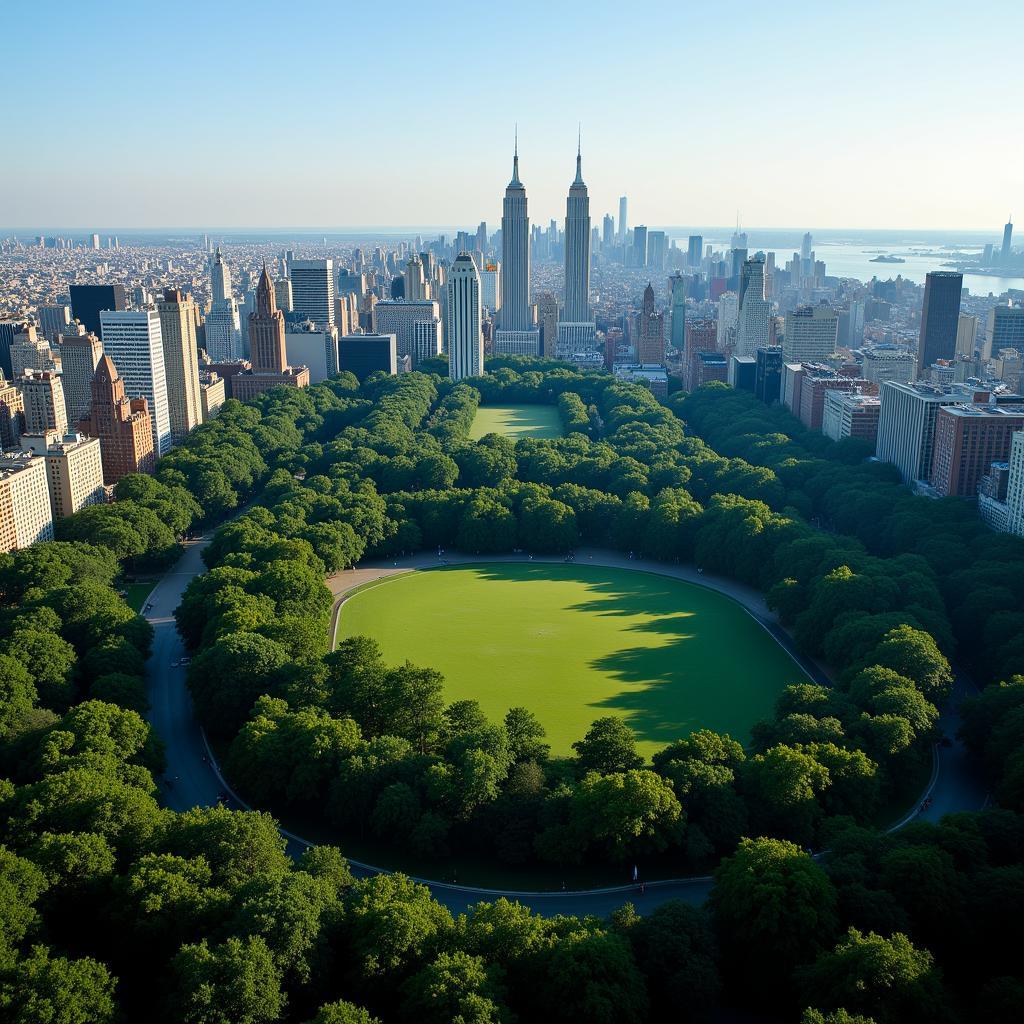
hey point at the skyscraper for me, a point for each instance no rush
(657, 249)
(695, 251)
(121, 424)
(608, 231)
(223, 332)
(1004, 253)
(517, 335)
(283, 294)
(9, 330)
(577, 250)
(623, 223)
(811, 334)
(752, 330)
(132, 339)
(677, 303)
(515, 254)
(639, 257)
(54, 321)
(181, 361)
(266, 330)
(547, 317)
(576, 330)
(79, 357)
(1005, 329)
(313, 290)
(220, 279)
(940, 317)
(416, 286)
(43, 395)
(465, 338)
(400, 317)
(267, 348)
(88, 300)
(650, 347)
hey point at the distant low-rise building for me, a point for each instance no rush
(654, 377)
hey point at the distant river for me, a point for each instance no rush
(845, 258)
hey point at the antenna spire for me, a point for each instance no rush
(515, 158)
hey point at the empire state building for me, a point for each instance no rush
(577, 250)
(517, 335)
(515, 255)
(576, 330)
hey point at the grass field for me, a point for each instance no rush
(575, 642)
(516, 421)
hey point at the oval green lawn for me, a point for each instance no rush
(516, 421)
(575, 642)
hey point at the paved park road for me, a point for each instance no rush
(193, 780)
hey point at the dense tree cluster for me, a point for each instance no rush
(979, 574)
(391, 761)
(112, 907)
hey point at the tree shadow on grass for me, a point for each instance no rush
(702, 671)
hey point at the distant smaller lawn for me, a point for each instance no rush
(516, 421)
(137, 593)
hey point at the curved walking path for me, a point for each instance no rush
(194, 779)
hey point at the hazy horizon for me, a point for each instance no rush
(233, 114)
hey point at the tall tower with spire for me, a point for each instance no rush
(517, 335)
(266, 330)
(515, 253)
(220, 278)
(577, 249)
(577, 334)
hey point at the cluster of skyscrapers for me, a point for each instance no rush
(109, 381)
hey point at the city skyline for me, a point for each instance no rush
(885, 157)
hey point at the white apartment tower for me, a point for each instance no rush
(752, 327)
(465, 337)
(133, 340)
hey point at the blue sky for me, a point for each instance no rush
(337, 114)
